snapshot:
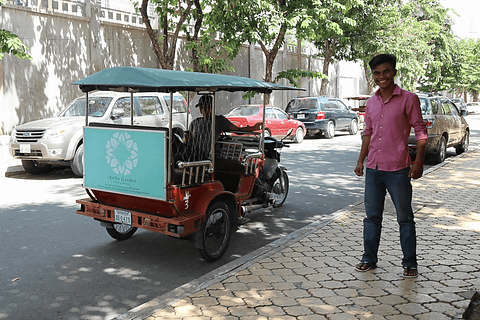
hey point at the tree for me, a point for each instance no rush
(173, 18)
(264, 22)
(11, 44)
(328, 25)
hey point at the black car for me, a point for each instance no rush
(446, 127)
(322, 115)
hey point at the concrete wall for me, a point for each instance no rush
(75, 39)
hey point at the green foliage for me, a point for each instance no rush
(11, 44)
(292, 75)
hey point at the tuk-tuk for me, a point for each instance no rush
(134, 179)
(362, 99)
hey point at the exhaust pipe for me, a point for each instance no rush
(247, 209)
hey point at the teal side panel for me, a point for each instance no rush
(125, 161)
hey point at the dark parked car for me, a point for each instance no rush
(446, 127)
(322, 115)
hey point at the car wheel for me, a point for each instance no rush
(464, 145)
(35, 167)
(77, 162)
(121, 231)
(330, 132)
(353, 127)
(299, 135)
(213, 238)
(441, 154)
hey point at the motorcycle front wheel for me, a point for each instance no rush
(280, 190)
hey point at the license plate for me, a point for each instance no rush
(124, 217)
(25, 148)
(300, 116)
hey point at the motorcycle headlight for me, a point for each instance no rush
(53, 133)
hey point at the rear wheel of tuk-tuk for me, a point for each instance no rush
(121, 231)
(213, 238)
(280, 190)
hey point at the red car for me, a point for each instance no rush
(277, 122)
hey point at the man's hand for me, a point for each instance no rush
(416, 170)
(359, 169)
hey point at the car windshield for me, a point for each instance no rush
(96, 107)
(179, 104)
(302, 104)
(244, 111)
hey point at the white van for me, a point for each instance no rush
(60, 140)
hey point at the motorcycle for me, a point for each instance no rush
(272, 184)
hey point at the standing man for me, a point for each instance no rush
(389, 115)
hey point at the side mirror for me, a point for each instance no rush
(290, 116)
(463, 113)
(117, 113)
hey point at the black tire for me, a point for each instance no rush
(299, 135)
(35, 167)
(441, 154)
(330, 132)
(280, 191)
(462, 147)
(121, 231)
(353, 129)
(77, 162)
(214, 236)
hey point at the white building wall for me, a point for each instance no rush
(70, 40)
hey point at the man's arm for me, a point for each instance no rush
(416, 170)
(363, 155)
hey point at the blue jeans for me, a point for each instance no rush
(398, 184)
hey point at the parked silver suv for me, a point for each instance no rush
(60, 140)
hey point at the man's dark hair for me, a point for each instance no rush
(381, 59)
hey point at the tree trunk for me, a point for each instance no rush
(370, 83)
(270, 56)
(329, 50)
(165, 53)
(153, 36)
(196, 32)
(475, 95)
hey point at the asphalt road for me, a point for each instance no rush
(56, 264)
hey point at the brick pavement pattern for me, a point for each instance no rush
(314, 277)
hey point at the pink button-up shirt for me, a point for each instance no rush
(388, 123)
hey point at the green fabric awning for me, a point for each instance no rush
(132, 79)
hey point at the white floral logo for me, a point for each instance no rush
(122, 153)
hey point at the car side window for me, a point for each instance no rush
(269, 114)
(179, 104)
(331, 105)
(425, 106)
(122, 107)
(447, 109)
(150, 106)
(435, 108)
(342, 105)
(280, 114)
(453, 109)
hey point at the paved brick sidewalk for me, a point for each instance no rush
(313, 277)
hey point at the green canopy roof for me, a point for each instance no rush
(132, 79)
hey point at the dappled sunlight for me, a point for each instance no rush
(125, 273)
